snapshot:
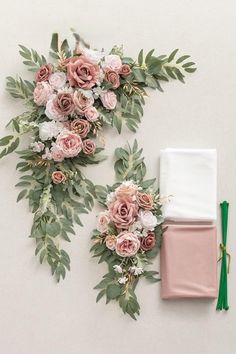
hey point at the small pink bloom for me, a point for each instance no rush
(64, 103)
(127, 244)
(147, 243)
(81, 127)
(89, 147)
(91, 114)
(42, 92)
(58, 177)
(103, 221)
(57, 80)
(110, 241)
(82, 72)
(43, 73)
(112, 62)
(109, 99)
(82, 102)
(123, 213)
(57, 153)
(126, 191)
(113, 78)
(125, 70)
(70, 143)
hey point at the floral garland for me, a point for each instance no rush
(129, 231)
(68, 103)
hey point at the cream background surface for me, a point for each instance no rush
(38, 316)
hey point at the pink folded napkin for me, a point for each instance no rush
(189, 261)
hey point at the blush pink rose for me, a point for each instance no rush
(109, 99)
(57, 153)
(103, 221)
(57, 80)
(42, 92)
(81, 127)
(58, 177)
(82, 72)
(123, 213)
(89, 147)
(70, 144)
(112, 77)
(112, 62)
(82, 102)
(91, 114)
(110, 241)
(127, 244)
(127, 191)
(64, 103)
(125, 70)
(43, 73)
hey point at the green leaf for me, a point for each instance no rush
(172, 55)
(55, 42)
(140, 57)
(113, 291)
(21, 195)
(117, 122)
(184, 57)
(5, 141)
(100, 294)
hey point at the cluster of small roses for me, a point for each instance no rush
(131, 213)
(71, 94)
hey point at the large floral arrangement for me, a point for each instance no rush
(129, 230)
(68, 102)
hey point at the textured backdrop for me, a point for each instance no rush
(38, 316)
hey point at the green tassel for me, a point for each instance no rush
(222, 302)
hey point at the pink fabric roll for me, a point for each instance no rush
(189, 262)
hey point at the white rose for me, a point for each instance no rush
(94, 55)
(49, 130)
(147, 219)
(51, 112)
(57, 80)
(37, 146)
(112, 62)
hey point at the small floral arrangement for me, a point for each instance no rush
(68, 102)
(129, 231)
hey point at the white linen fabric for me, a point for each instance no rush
(188, 177)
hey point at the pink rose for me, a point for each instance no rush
(127, 244)
(147, 243)
(82, 102)
(103, 221)
(58, 177)
(82, 72)
(57, 153)
(81, 127)
(91, 114)
(123, 213)
(126, 191)
(51, 111)
(112, 62)
(71, 144)
(125, 70)
(145, 200)
(42, 92)
(110, 241)
(89, 147)
(43, 73)
(109, 99)
(57, 80)
(64, 103)
(113, 78)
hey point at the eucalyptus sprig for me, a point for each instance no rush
(124, 273)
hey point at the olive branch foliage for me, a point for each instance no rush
(129, 165)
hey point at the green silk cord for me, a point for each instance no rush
(222, 303)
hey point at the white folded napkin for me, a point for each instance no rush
(188, 177)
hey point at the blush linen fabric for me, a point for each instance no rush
(188, 178)
(189, 262)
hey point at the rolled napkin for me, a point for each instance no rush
(189, 262)
(188, 178)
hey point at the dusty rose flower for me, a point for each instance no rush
(103, 221)
(51, 111)
(42, 92)
(123, 213)
(81, 127)
(70, 143)
(127, 244)
(58, 177)
(110, 241)
(126, 191)
(82, 72)
(82, 102)
(125, 70)
(64, 103)
(145, 200)
(57, 80)
(112, 62)
(89, 147)
(91, 114)
(43, 73)
(67, 125)
(109, 99)
(147, 243)
(57, 153)
(113, 78)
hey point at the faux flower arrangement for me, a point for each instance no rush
(68, 102)
(129, 231)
